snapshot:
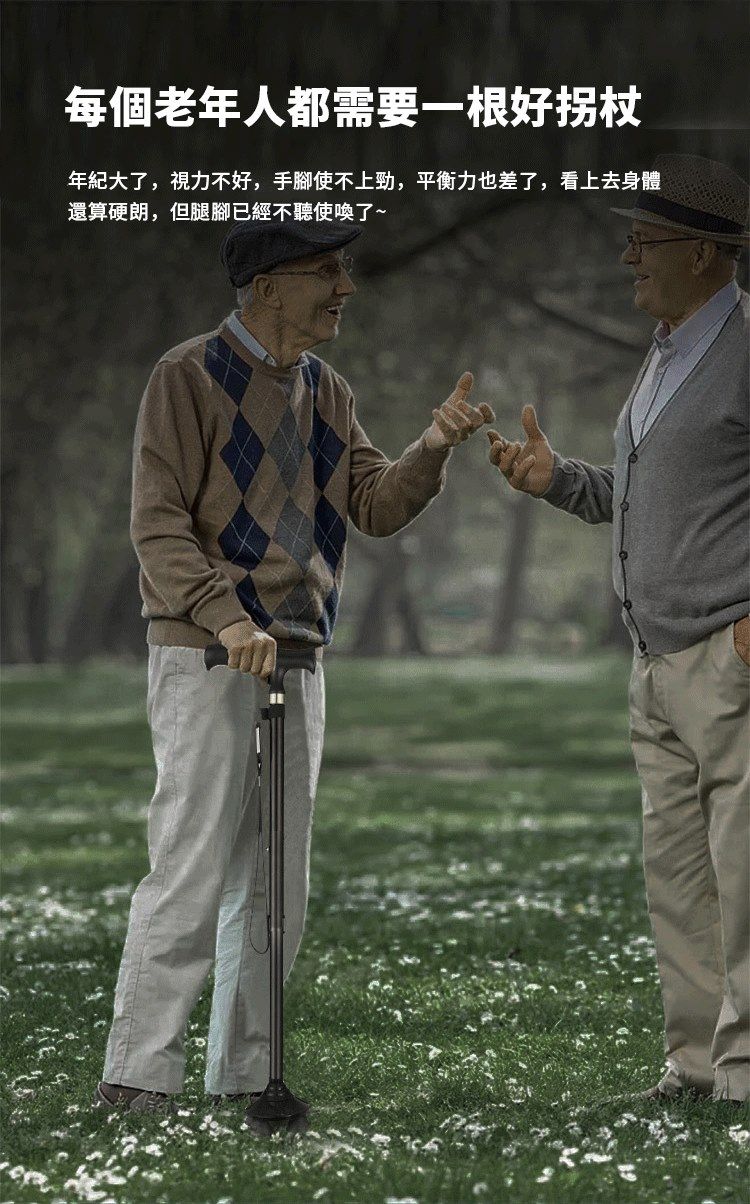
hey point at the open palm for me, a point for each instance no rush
(455, 420)
(528, 466)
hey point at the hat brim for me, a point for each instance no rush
(331, 240)
(332, 244)
(654, 219)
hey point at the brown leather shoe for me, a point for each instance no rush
(657, 1095)
(662, 1095)
(132, 1099)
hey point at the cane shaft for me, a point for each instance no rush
(277, 892)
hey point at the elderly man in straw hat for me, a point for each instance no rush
(679, 500)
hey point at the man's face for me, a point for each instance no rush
(665, 286)
(313, 291)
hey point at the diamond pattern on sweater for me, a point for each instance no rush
(226, 367)
(325, 447)
(276, 471)
(243, 540)
(294, 533)
(243, 453)
(327, 620)
(298, 605)
(311, 375)
(251, 603)
(330, 533)
(287, 449)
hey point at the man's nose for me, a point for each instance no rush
(345, 286)
(629, 255)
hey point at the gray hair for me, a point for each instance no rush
(245, 296)
(728, 251)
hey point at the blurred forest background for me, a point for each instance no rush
(524, 289)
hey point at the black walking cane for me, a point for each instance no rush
(277, 1107)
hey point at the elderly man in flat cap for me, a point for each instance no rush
(249, 461)
(678, 496)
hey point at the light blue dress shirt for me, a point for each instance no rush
(243, 334)
(675, 354)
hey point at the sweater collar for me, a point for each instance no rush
(243, 335)
(241, 347)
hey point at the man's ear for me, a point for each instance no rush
(265, 292)
(704, 257)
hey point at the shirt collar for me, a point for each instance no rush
(682, 340)
(238, 328)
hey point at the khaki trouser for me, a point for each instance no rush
(194, 906)
(690, 736)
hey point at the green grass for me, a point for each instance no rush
(476, 979)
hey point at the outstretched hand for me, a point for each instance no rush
(455, 419)
(526, 467)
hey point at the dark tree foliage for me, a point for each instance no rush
(88, 308)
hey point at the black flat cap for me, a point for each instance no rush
(257, 246)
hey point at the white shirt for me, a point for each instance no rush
(675, 354)
(238, 328)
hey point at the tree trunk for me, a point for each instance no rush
(9, 651)
(511, 596)
(390, 600)
(123, 627)
(102, 569)
(413, 641)
(510, 599)
(37, 612)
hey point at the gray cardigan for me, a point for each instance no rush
(681, 497)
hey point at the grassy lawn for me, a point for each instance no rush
(477, 975)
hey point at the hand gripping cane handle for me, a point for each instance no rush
(286, 658)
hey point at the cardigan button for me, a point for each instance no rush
(632, 458)
(624, 505)
(627, 604)
(623, 555)
(641, 646)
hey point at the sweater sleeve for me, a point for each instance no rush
(385, 495)
(169, 459)
(582, 489)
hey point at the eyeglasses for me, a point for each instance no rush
(636, 243)
(328, 272)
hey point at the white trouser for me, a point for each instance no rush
(193, 908)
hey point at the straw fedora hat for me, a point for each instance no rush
(698, 196)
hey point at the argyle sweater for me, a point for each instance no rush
(244, 478)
